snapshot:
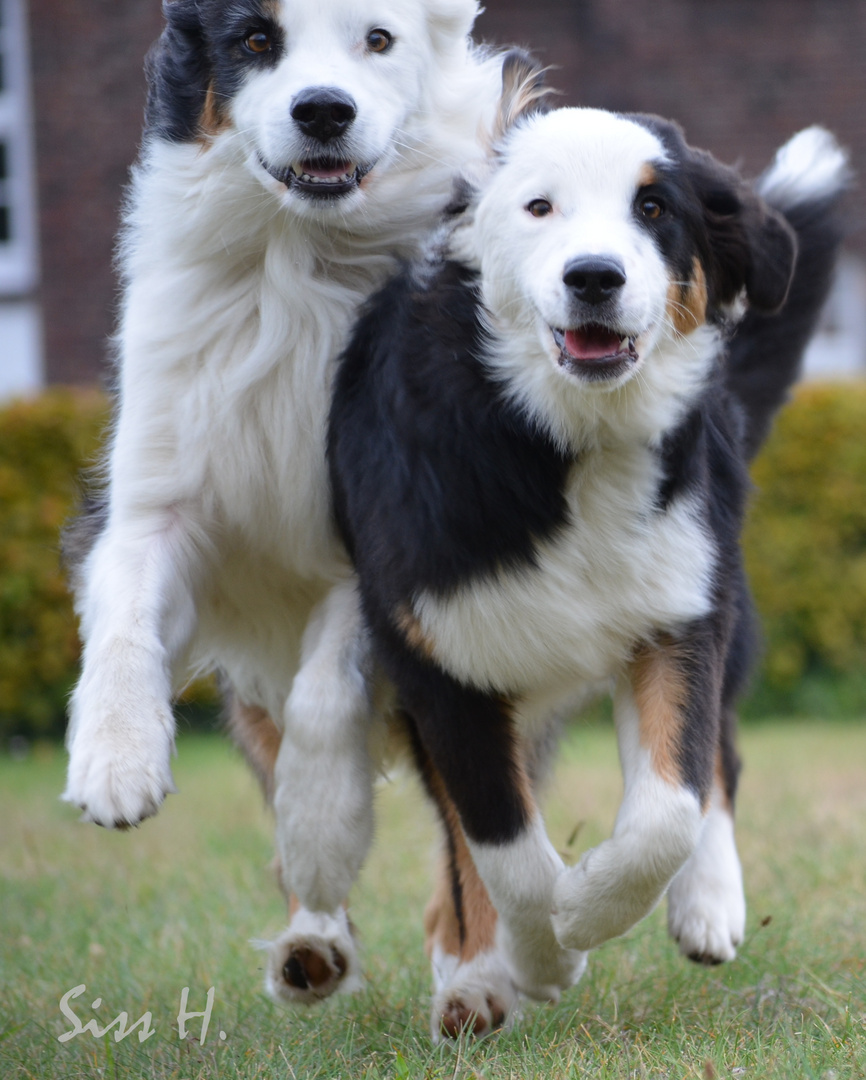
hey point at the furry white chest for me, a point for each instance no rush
(618, 571)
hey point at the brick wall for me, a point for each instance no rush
(740, 75)
(88, 96)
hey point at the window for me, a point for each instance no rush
(17, 198)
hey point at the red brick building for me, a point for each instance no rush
(740, 75)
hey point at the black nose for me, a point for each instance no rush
(594, 279)
(323, 112)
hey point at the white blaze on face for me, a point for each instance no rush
(325, 45)
(589, 166)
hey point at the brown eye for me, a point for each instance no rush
(652, 208)
(379, 41)
(258, 42)
(539, 208)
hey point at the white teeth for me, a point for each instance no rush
(307, 179)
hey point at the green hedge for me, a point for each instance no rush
(805, 545)
(43, 445)
(805, 539)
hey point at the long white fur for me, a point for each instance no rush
(219, 548)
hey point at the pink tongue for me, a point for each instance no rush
(591, 343)
(325, 172)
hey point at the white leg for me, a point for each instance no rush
(706, 904)
(137, 615)
(323, 796)
(657, 828)
(520, 878)
(476, 995)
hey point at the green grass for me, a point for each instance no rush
(139, 916)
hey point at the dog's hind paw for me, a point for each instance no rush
(314, 957)
(475, 997)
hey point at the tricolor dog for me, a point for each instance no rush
(538, 449)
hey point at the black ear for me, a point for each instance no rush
(773, 251)
(749, 244)
(178, 74)
(524, 91)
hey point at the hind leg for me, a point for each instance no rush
(316, 955)
(321, 777)
(470, 740)
(706, 903)
(473, 990)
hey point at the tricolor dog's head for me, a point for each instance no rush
(319, 92)
(604, 236)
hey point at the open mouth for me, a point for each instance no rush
(595, 352)
(320, 178)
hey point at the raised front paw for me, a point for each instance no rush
(120, 765)
(540, 967)
(593, 903)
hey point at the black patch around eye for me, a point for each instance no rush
(233, 37)
(654, 204)
(723, 203)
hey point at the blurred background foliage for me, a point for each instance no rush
(805, 545)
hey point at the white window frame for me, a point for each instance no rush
(18, 255)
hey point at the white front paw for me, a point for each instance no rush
(707, 913)
(540, 968)
(706, 903)
(120, 764)
(592, 905)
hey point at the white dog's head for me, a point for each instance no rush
(602, 237)
(322, 94)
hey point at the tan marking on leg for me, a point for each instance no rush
(441, 925)
(473, 929)
(258, 738)
(660, 693)
(687, 301)
(407, 623)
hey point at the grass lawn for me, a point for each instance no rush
(137, 917)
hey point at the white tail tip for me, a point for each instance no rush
(811, 166)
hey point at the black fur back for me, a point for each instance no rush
(766, 352)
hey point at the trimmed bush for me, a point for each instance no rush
(805, 539)
(44, 444)
(805, 547)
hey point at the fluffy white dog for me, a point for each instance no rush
(292, 153)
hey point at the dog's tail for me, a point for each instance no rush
(805, 183)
